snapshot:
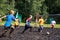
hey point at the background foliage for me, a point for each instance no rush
(27, 7)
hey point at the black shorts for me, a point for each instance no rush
(27, 26)
(41, 27)
(16, 26)
(7, 28)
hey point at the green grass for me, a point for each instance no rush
(33, 24)
(56, 26)
(46, 25)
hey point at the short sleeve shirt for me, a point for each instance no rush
(9, 19)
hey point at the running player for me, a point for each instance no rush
(27, 25)
(7, 25)
(41, 23)
(17, 23)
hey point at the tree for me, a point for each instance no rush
(53, 5)
(4, 5)
(27, 7)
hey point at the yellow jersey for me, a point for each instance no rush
(16, 22)
(41, 21)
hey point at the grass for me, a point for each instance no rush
(46, 25)
(33, 24)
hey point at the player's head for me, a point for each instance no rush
(12, 12)
(40, 17)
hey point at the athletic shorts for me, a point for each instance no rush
(27, 26)
(7, 28)
(16, 26)
(41, 27)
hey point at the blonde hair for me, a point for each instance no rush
(12, 11)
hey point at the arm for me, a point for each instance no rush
(3, 17)
(13, 18)
(39, 21)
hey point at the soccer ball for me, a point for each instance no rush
(48, 33)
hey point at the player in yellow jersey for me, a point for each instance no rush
(16, 24)
(41, 23)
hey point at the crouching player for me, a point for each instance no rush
(53, 22)
(41, 23)
(27, 25)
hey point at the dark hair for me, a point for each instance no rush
(40, 17)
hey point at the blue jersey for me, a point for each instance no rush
(28, 23)
(9, 19)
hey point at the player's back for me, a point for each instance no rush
(9, 19)
(41, 21)
(53, 22)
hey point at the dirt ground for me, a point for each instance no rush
(34, 35)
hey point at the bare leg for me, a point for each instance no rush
(3, 33)
(11, 32)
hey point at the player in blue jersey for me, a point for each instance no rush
(7, 25)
